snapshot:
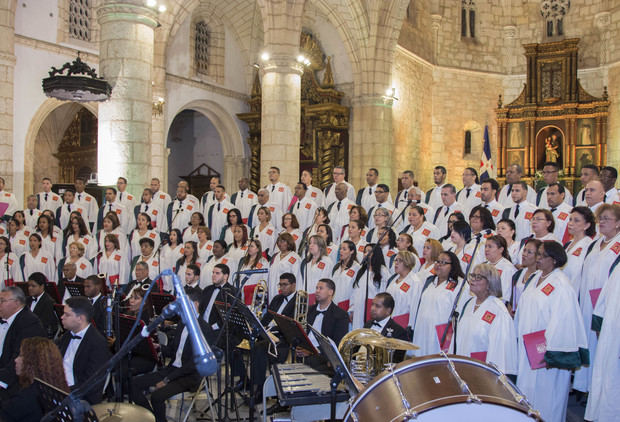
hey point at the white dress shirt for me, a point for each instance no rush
(69, 356)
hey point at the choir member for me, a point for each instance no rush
(143, 231)
(315, 266)
(370, 279)
(265, 231)
(37, 260)
(344, 272)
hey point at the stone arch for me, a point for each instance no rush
(39, 118)
(233, 148)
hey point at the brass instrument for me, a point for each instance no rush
(367, 353)
(259, 297)
(301, 308)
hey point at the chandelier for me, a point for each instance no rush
(80, 83)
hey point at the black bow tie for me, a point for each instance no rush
(2, 321)
(375, 323)
(34, 299)
(74, 337)
(320, 312)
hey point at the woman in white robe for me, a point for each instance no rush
(582, 227)
(265, 231)
(253, 260)
(368, 282)
(144, 230)
(356, 235)
(172, 251)
(486, 330)
(315, 267)
(17, 238)
(112, 262)
(526, 275)
(469, 251)
(285, 261)
(9, 264)
(38, 260)
(549, 315)
(344, 273)
(419, 229)
(77, 231)
(436, 301)
(496, 253)
(204, 244)
(403, 286)
(506, 228)
(599, 258)
(543, 225)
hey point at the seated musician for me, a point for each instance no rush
(41, 303)
(192, 279)
(178, 376)
(92, 290)
(381, 321)
(69, 275)
(326, 317)
(83, 348)
(142, 278)
(216, 292)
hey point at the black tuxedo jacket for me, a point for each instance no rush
(44, 310)
(25, 325)
(188, 368)
(335, 321)
(99, 315)
(190, 290)
(274, 305)
(215, 318)
(92, 353)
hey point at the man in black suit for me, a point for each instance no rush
(41, 303)
(192, 279)
(180, 375)
(17, 323)
(142, 278)
(92, 290)
(328, 318)
(216, 292)
(380, 312)
(69, 275)
(84, 349)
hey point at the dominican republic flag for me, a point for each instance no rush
(486, 164)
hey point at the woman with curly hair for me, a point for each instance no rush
(38, 358)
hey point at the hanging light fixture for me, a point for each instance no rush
(80, 83)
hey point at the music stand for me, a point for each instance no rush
(59, 308)
(294, 333)
(160, 301)
(51, 397)
(52, 290)
(341, 372)
(75, 289)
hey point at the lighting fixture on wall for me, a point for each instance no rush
(390, 95)
(158, 106)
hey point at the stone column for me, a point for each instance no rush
(280, 118)
(126, 61)
(7, 66)
(372, 140)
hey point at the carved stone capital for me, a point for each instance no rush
(510, 32)
(436, 21)
(127, 10)
(282, 64)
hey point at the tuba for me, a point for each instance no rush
(363, 355)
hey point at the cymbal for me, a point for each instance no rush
(390, 343)
(118, 412)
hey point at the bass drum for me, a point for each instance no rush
(433, 391)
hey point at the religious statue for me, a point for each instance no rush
(514, 140)
(551, 149)
(584, 135)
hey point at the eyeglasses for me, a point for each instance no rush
(443, 262)
(606, 219)
(477, 277)
(284, 284)
(539, 219)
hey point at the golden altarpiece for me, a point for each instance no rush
(77, 152)
(324, 120)
(554, 118)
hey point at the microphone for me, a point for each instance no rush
(108, 318)
(256, 271)
(204, 359)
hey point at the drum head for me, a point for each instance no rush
(434, 393)
(122, 412)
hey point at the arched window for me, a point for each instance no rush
(201, 48)
(80, 15)
(467, 143)
(468, 19)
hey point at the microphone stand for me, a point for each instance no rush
(454, 314)
(374, 249)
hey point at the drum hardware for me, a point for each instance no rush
(462, 383)
(409, 413)
(515, 393)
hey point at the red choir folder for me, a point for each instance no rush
(535, 347)
(344, 305)
(481, 356)
(594, 294)
(311, 299)
(248, 293)
(402, 320)
(3, 207)
(440, 329)
(368, 305)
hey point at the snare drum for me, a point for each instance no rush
(441, 388)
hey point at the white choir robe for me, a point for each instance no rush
(418, 278)
(315, 194)
(89, 204)
(333, 252)
(345, 233)
(127, 200)
(580, 198)
(548, 236)
(520, 286)
(43, 262)
(344, 278)
(523, 220)
(442, 215)
(506, 270)
(267, 237)
(180, 214)
(360, 301)
(19, 244)
(237, 253)
(304, 210)
(433, 197)
(359, 249)
(311, 274)
(154, 269)
(371, 213)
(162, 199)
(552, 306)
(468, 254)
(576, 253)
(9, 198)
(249, 281)
(206, 269)
(122, 240)
(495, 208)
(388, 256)
(330, 194)
(280, 194)
(204, 251)
(434, 309)
(135, 238)
(489, 330)
(403, 293)
(594, 276)
(561, 216)
(53, 245)
(243, 201)
(90, 246)
(10, 270)
(217, 217)
(190, 234)
(373, 235)
(366, 197)
(63, 213)
(568, 199)
(419, 236)
(52, 203)
(115, 267)
(339, 217)
(157, 214)
(469, 202)
(290, 263)
(603, 404)
(31, 218)
(505, 198)
(168, 256)
(514, 252)
(125, 216)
